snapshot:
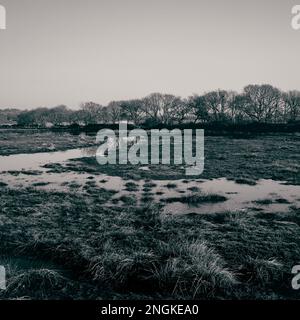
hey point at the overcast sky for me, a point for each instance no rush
(69, 51)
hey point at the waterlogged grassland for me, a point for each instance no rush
(72, 245)
(31, 141)
(243, 160)
(138, 252)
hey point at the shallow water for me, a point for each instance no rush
(33, 161)
(240, 197)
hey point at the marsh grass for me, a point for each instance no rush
(247, 181)
(193, 189)
(131, 186)
(196, 199)
(282, 200)
(41, 184)
(128, 200)
(264, 202)
(171, 186)
(192, 269)
(150, 185)
(224, 157)
(119, 251)
(29, 141)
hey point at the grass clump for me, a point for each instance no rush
(171, 186)
(194, 189)
(131, 186)
(40, 184)
(264, 202)
(196, 199)
(150, 185)
(193, 270)
(247, 181)
(263, 270)
(128, 200)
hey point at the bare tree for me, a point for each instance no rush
(133, 111)
(236, 108)
(292, 105)
(164, 108)
(217, 104)
(198, 109)
(104, 115)
(115, 111)
(262, 103)
(58, 115)
(91, 112)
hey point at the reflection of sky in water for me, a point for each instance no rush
(239, 196)
(32, 161)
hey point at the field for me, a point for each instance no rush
(30, 141)
(78, 230)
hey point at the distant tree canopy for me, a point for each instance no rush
(9, 116)
(257, 103)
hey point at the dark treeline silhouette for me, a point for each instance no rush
(259, 104)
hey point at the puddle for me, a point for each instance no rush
(240, 197)
(34, 161)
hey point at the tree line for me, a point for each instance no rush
(257, 103)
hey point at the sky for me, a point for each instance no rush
(70, 51)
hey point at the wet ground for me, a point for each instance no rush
(27, 170)
(74, 229)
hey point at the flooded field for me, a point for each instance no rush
(75, 218)
(28, 170)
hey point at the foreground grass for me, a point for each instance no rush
(114, 252)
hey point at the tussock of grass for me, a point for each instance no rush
(147, 198)
(129, 200)
(193, 270)
(186, 270)
(131, 186)
(40, 184)
(247, 181)
(171, 186)
(150, 185)
(194, 189)
(74, 185)
(264, 270)
(36, 284)
(196, 199)
(264, 202)
(281, 200)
